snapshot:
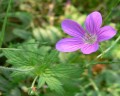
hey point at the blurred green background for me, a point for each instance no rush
(39, 21)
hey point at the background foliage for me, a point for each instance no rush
(35, 67)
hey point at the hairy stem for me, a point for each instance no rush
(14, 69)
(33, 83)
(95, 87)
(107, 50)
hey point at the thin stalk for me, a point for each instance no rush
(33, 83)
(109, 48)
(14, 69)
(4, 24)
(95, 87)
(32, 91)
(94, 63)
(10, 49)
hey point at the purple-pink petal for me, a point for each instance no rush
(89, 48)
(79, 40)
(93, 22)
(69, 44)
(72, 28)
(105, 33)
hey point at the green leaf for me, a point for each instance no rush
(48, 34)
(43, 63)
(23, 17)
(52, 83)
(22, 33)
(8, 85)
(41, 82)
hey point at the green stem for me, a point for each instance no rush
(33, 83)
(4, 24)
(14, 69)
(95, 87)
(10, 49)
(109, 48)
(31, 91)
(94, 63)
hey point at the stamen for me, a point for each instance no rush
(90, 39)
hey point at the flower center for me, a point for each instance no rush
(90, 39)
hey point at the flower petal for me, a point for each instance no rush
(69, 44)
(72, 28)
(89, 48)
(93, 22)
(105, 33)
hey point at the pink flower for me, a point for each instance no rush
(87, 40)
